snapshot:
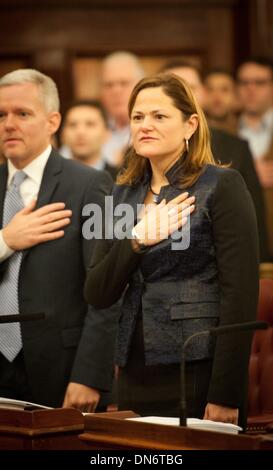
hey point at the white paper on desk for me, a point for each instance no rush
(195, 423)
(19, 404)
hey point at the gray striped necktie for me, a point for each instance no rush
(10, 333)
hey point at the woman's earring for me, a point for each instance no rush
(187, 144)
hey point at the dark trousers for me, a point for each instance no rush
(155, 390)
(13, 378)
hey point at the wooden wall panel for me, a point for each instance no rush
(9, 64)
(262, 27)
(86, 72)
(101, 31)
(67, 38)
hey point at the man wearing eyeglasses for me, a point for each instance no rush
(255, 87)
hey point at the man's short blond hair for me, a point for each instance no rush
(124, 56)
(47, 86)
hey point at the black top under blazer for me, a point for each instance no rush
(70, 344)
(213, 281)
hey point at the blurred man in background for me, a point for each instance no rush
(120, 73)
(221, 100)
(255, 88)
(85, 131)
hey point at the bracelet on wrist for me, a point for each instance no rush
(138, 241)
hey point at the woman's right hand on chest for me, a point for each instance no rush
(160, 221)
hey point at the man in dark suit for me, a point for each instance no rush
(227, 148)
(57, 360)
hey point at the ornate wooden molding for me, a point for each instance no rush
(114, 3)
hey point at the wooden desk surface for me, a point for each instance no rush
(68, 429)
(109, 433)
(56, 429)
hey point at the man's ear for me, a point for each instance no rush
(54, 121)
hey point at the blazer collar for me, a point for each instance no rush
(3, 186)
(173, 175)
(50, 182)
(50, 178)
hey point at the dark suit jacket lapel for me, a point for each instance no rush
(3, 186)
(50, 182)
(51, 179)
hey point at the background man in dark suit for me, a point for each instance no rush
(53, 361)
(228, 148)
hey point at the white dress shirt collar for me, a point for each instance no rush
(33, 170)
(268, 119)
(266, 122)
